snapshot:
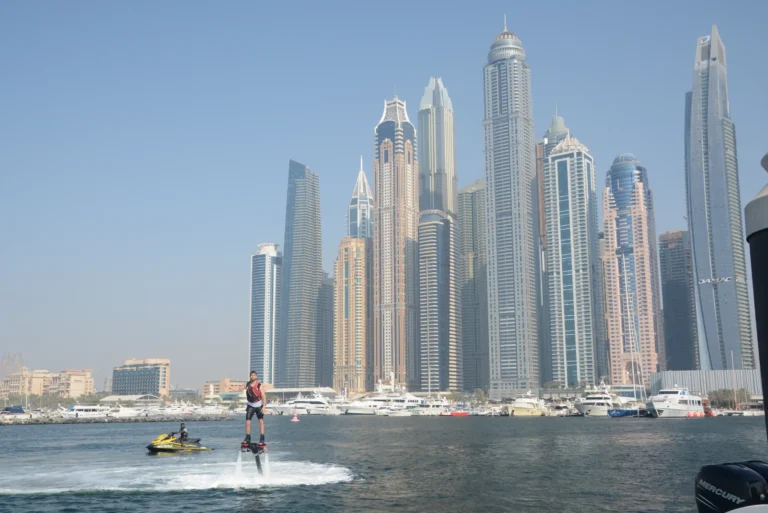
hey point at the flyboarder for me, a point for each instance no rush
(257, 401)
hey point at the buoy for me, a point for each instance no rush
(688, 415)
(295, 416)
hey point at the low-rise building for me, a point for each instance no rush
(183, 393)
(212, 390)
(149, 376)
(72, 383)
(702, 382)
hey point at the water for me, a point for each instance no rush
(375, 464)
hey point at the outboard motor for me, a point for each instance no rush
(744, 486)
(729, 486)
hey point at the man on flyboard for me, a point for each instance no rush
(257, 402)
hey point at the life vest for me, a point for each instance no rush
(253, 396)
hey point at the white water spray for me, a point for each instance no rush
(267, 471)
(239, 466)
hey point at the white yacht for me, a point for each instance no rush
(432, 407)
(372, 403)
(315, 405)
(86, 411)
(528, 406)
(675, 403)
(597, 403)
(125, 412)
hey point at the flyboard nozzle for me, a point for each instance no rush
(756, 224)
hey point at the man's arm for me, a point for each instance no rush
(263, 399)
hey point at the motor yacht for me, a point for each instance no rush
(675, 403)
(528, 406)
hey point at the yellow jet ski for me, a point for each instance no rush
(169, 443)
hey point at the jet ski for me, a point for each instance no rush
(169, 443)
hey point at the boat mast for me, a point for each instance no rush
(733, 383)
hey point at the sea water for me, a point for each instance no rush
(375, 464)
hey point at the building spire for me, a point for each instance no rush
(361, 163)
(505, 23)
(555, 107)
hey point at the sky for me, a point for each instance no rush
(144, 146)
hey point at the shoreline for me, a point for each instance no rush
(26, 421)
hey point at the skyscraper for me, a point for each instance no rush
(602, 346)
(395, 266)
(635, 331)
(302, 274)
(440, 353)
(572, 261)
(438, 189)
(440, 357)
(510, 171)
(472, 283)
(360, 211)
(714, 214)
(266, 267)
(556, 132)
(324, 340)
(353, 317)
(677, 290)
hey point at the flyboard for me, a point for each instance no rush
(257, 449)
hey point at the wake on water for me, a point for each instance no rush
(171, 475)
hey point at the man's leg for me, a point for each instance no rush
(260, 416)
(248, 427)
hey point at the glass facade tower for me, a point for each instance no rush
(511, 203)
(715, 220)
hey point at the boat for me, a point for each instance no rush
(86, 411)
(455, 413)
(431, 407)
(675, 403)
(169, 443)
(315, 405)
(370, 404)
(125, 412)
(528, 406)
(597, 403)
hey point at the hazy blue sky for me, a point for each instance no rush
(144, 146)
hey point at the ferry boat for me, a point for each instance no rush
(675, 403)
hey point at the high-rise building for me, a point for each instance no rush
(602, 346)
(714, 214)
(677, 292)
(572, 261)
(510, 172)
(302, 275)
(438, 189)
(440, 353)
(473, 278)
(324, 340)
(266, 270)
(138, 377)
(556, 132)
(395, 266)
(440, 357)
(353, 317)
(633, 303)
(360, 211)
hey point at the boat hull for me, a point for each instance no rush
(673, 411)
(592, 410)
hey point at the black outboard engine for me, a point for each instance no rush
(730, 486)
(733, 486)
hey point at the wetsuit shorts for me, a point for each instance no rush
(250, 410)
